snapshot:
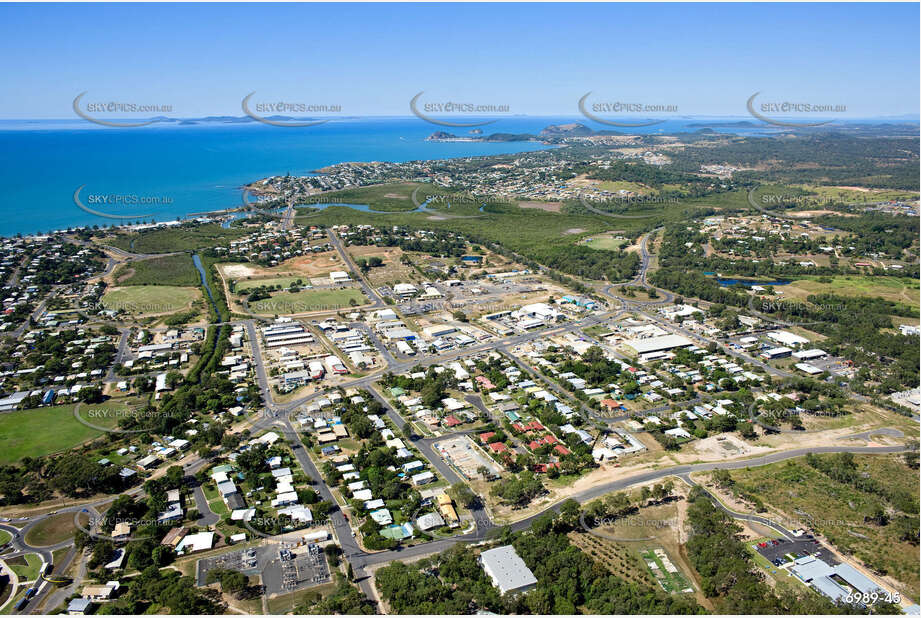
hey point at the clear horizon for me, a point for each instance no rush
(536, 60)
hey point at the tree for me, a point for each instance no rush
(463, 495)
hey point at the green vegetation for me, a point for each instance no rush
(308, 300)
(345, 598)
(671, 582)
(155, 590)
(384, 198)
(866, 505)
(903, 290)
(175, 270)
(41, 431)
(532, 236)
(826, 158)
(568, 581)
(26, 567)
(283, 282)
(606, 242)
(52, 530)
(188, 237)
(150, 299)
(728, 574)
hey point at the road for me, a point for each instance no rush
(370, 292)
(279, 416)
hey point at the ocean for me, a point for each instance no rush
(168, 171)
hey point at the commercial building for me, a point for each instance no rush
(658, 344)
(787, 338)
(772, 353)
(507, 570)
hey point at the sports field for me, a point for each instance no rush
(41, 431)
(150, 299)
(606, 242)
(624, 185)
(283, 303)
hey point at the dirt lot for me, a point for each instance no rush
(393, 271)
(310, 265)
(545, 206)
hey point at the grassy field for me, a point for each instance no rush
(5, 537)
(150, 299)
(26, 567)
(52, 530)
(41, 431)
(851, 196)
(838, 511)
(605, 241)
(307, 300)
(284, 603)
(284, 282)
(166, 270)
(904, 290)
(169, 240)
(384, 198)
(624, 185)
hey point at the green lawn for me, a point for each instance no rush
(5, 537)
(624, 185)
(307, 300)
(672, 582)
(41, 431)
(28, 571)
(284, 282)
(150, 299)
(219, 507)
(605, 242)
(52, 530)
(166, 270)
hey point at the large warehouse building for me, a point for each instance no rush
(658, 344)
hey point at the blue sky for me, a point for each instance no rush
(538, 59)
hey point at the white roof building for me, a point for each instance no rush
(507, 570)
(658, 344)
(787, 338)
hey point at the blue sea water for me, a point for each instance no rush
(179, 170)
